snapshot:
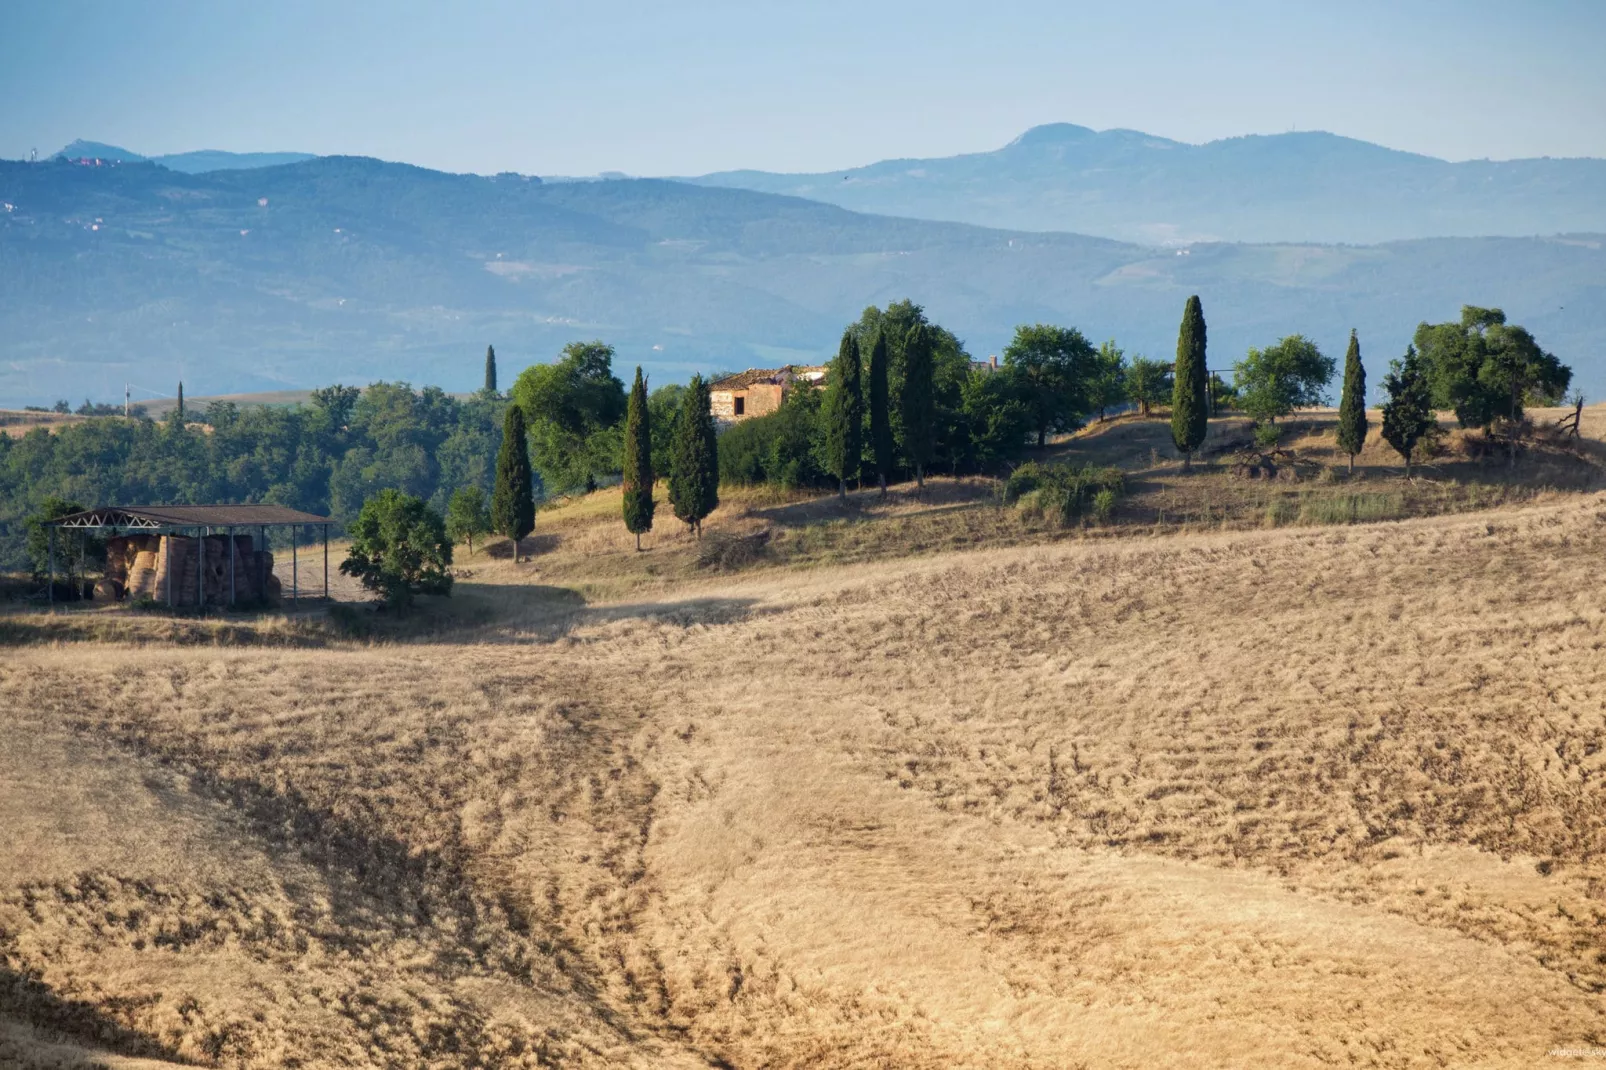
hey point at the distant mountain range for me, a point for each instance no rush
(350, 269)
(1309, 187)
(190, 163)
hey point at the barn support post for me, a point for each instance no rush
(172, 598)
(231, 567)
(262, 562)
(50, 581)
(295, 590)
(200, 570)
(326, 562)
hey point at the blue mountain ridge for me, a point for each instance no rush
(352, 269)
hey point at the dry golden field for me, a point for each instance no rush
(1235, 791)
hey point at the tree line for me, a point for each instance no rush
(903, 399)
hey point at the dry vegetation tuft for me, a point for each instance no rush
(1223, 796)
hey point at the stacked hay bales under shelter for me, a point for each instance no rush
(138, 568)
(191, 555)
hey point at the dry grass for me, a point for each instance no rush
(1208, 795)
(18, 422)
(1264, 798)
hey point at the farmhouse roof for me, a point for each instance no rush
(743, 380)
(164, 516)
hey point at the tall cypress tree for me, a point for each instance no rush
(1352, 404)
(490, 369)
(513, 502)
(843, 415)
(694, 458)
(181, 401)
(638, 475)
(880, 412)
(917, 402)
(1190, 413)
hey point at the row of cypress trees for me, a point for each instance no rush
(1190, 403)
(694, 450)
(847, 398)
(693, 466)
(693, 460)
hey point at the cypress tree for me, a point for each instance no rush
(1352, 404)
(843, 415)
(1190, 413)
(694, 459)
(880, 412)
(1408, 413)
(490, 369)
(638, 475)
(917, 402)
(512, 502)
(181, 401)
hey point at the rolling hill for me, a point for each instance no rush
(1124, 184)
(191, 163)
(351, 269)
(1288, 798)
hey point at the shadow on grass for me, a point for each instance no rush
(534, 613)
(55, 1019)
(529, 546)
(863, 505)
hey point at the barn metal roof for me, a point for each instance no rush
(186, 516)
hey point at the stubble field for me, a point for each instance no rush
(1285, 797)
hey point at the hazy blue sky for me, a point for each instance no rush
(694, 86)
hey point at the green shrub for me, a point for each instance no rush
(1063, 494)
(780, 448)
(399, 549)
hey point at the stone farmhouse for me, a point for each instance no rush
(758, 391)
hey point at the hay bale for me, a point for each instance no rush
(107, 590)
(142, 580)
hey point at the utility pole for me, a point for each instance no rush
(125, 401)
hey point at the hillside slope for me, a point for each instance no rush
(1309, 187)
(353, 269)
(1286, 798)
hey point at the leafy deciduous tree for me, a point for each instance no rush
(1273, 382)
(399, 549)
(1106, 384)
(1147, 383)
(1054, 364)
(467, 515)
(70, 545)
(573, 409)
(1488, 370)
(336, 403)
